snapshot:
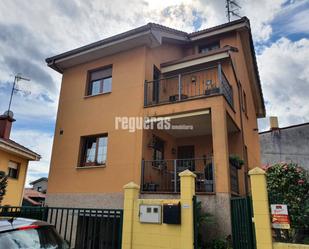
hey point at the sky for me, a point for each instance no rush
(33, 30)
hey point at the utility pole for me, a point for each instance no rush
(232, 8)
(17, 78)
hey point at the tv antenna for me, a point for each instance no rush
(17, 78)
(232, 8)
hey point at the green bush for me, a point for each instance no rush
(289, 184)
(220, 244)
(3, 184)
(202, 219)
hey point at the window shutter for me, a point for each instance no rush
(100, 74)
(13, 165)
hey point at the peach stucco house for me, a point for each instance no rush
(208, 79)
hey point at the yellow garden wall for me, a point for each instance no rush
(289, 246)
(137, 235)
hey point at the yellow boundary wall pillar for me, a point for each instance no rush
(261, 209)
(137, 235)
(187, 191)
(131, 192)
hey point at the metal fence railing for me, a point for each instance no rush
(227, 90)
(162, 175)
(80, 227)
(188, 85)
(243, 233)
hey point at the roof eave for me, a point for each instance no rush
(80, 56)
(148, 35)
(262, 111)
(39, 180)
(220, 29)
(29, 155)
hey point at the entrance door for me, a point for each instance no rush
(185, 154)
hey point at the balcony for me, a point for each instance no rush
(161, 176)
(188, 85)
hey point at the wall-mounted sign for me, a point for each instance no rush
(280, 216)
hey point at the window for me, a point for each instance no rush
(100, 81)
(245, 103)
(13, 170)
(158, 149)
(94, 150)
(156, 84)
(208, 47)
(39, 189)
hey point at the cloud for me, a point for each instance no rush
(26, 67)
(28, 105)
(261, 13)
(285, 77)
(293, 19)
(21, 38)
(68, 8)
(41, 143)
(184, 17)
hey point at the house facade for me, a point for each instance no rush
(206, 81)
(14, 159)
(285, 144)
(40, 184)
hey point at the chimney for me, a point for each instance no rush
(6, 121)
(273, 123)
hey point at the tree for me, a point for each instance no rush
(289, 184)
(3, 184)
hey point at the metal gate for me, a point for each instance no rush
(82, 228)
(195, 225)
(242, 226)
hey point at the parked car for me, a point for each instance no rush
(17, 233)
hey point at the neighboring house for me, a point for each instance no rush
(40, 184)
(14, 160)
(286, 144)
(33, 197)
(208, 79)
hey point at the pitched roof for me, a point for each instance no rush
(147, 27)
(12, 146)
(221, 26)
(152, 34)
(31, 193)
(39, 180)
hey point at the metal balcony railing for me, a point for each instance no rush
(188, 85)
(162, 175)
